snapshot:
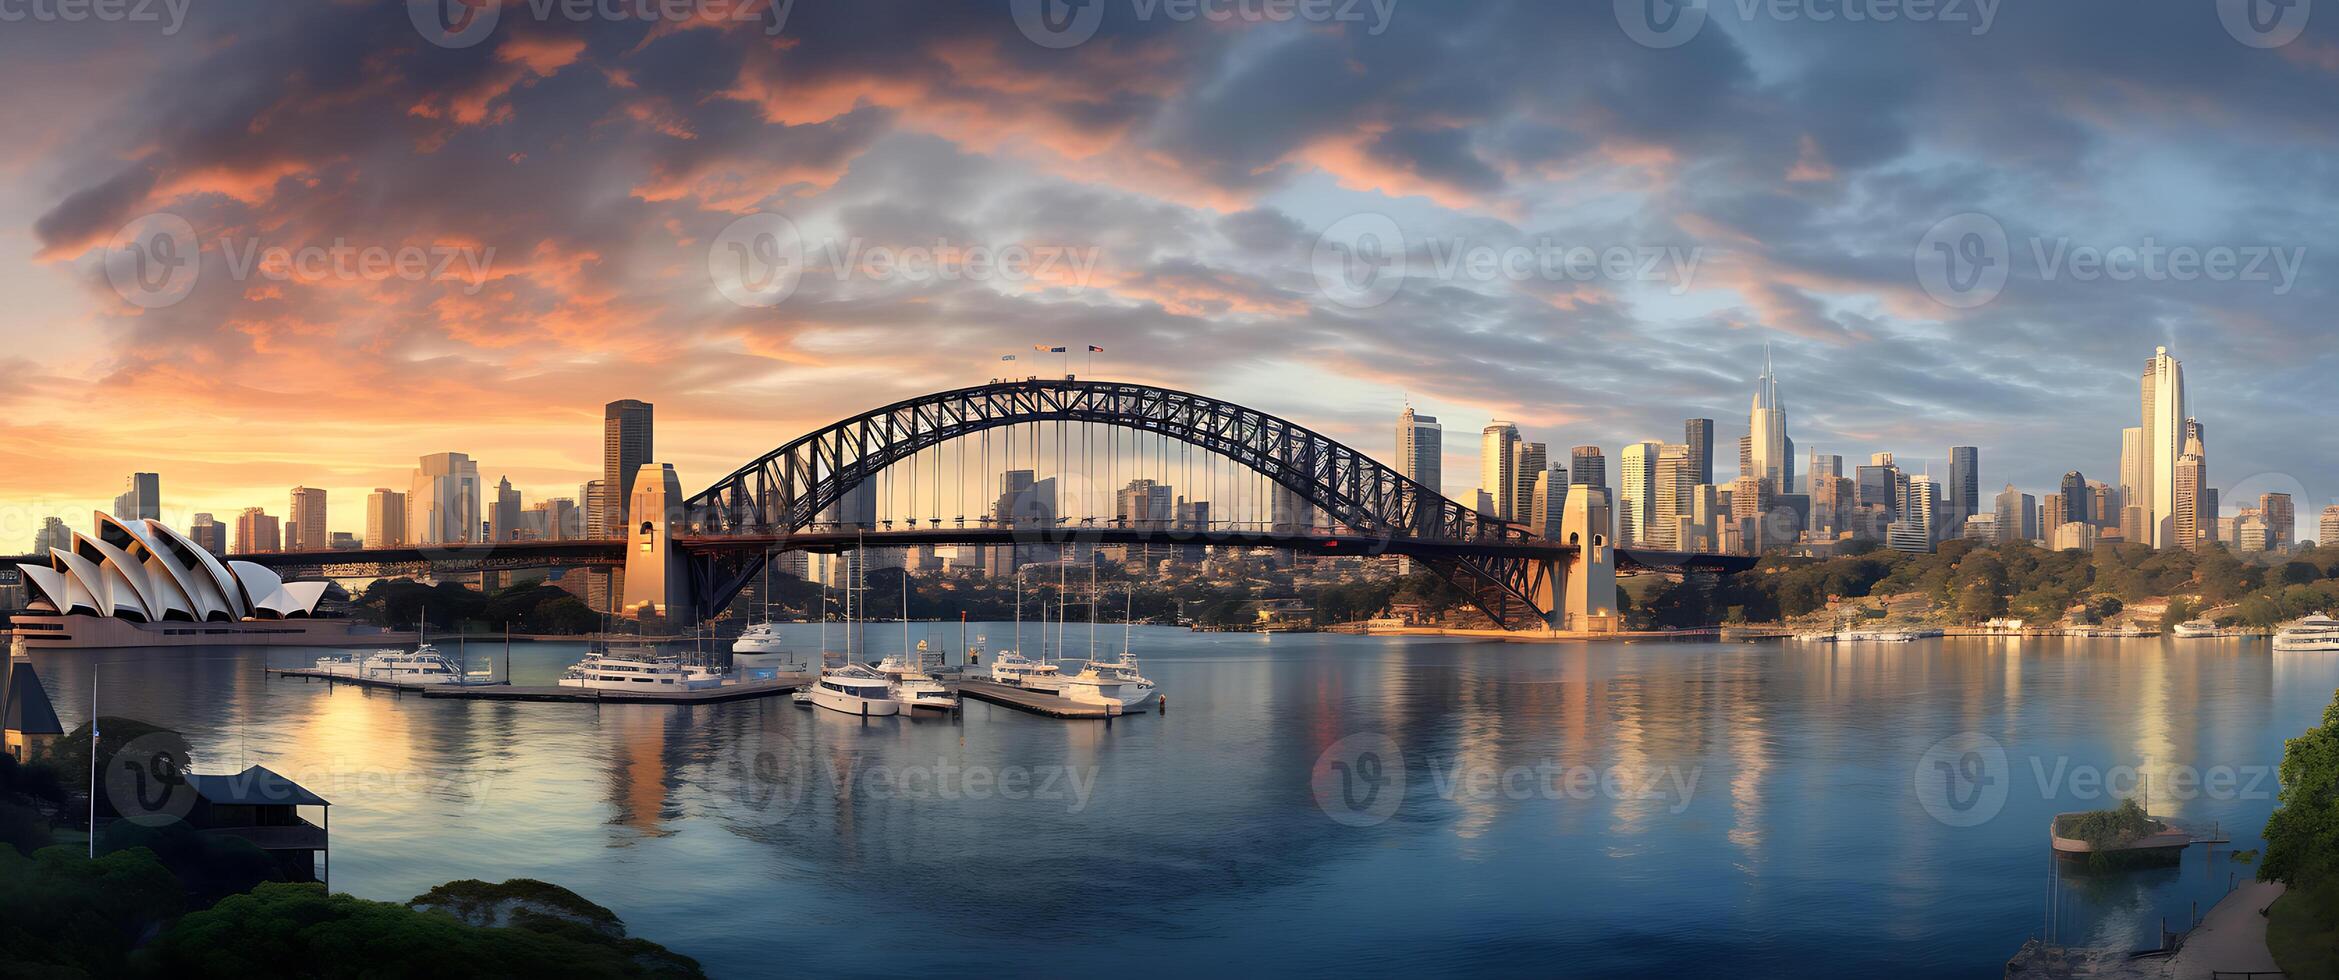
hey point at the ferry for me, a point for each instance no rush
(638, 669)
(421, 665)
(2315, 634)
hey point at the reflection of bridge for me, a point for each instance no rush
(698, 553)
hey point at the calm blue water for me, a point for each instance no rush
(1694, 809)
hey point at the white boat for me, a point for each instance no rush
(638, 669)
(758, 638)
(1136, 691)
(421, 665)
(1091, 686)
(854, 689)
(915, 688)
(2199, 629)
(1012, 669)
(2315, 634)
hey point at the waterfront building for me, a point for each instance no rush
(2281, 520)
(141, 498)
(208, 534)
(1421, 447)
(1768, 454)
(305, 529)
(1697, 435)
(626, 446)
(1498, 467)
(443, 505)
(257, 532)
(385, 518)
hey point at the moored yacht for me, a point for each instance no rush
(1014, 670)
(638, 669)
(758, 638)
(2198, 629)
(915, 688)
(421, 665)
(2315, 634)
(854, 689)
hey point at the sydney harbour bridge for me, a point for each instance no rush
(691, 556)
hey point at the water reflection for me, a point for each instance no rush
(1751, 805)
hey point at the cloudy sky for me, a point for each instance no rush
(417, 229)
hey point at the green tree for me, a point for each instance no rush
(2302, 837)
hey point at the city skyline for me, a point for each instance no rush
(1202, 236)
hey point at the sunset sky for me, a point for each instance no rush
(1195, 161)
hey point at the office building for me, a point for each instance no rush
(1636, 503)
(1698, 436)
(2191, 525)
(141, 498)
(208, 534)
(442, 505)
(1587, 467)
(1421, 447)
(1671, 492)
(1144, 504)
(625, 446)
(1023, 502)
(2330, 529)
(1914, 531)
(257, 533)
(1767, 452)
(1548, 502)
(385, 518)
(1532, 458)
(1498, 466)
(53, 534)
(2281, 518)
(304, 530)
(503, 518)
(1965, 483)
(2151, 450)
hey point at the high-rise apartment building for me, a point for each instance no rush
(1421, 447)
(141, 498)
(442, 507)
(625, 446)
(257, 533)
(304, 530)
(385, 519)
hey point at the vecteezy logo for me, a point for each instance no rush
(1059, 23)
(1963, 780)
(153, 261)
(1661, 23)
(1962, 260)
(758, 260)
(1359, 262)
(1360, 780)
(454, 23)
(761, 778)
(146, 780)
(2265, 23)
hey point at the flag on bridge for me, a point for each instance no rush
(1051, 350)
(1094, 349)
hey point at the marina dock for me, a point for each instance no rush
(500, 691)
(1034, 701)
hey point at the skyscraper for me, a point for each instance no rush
(443, 505)
(1698, 436)
(1915, 531)
(141, 498)
(1532, 458)
(2162, 400)
(503, 519)
(2078, 499)
(305, 529)
(1965, 485)
(1548, 503)
(1670, 497)
(1421, 447)
(1769, 455)
(208, 534)
(1587, 467)
(257, 532)
(1636, 498)
(53, 534)
(2330, 529)
(1498, 466)
(2189, 525)
(625, 446)
(2281, 518)
(385, 519)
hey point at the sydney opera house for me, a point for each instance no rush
(140, 583)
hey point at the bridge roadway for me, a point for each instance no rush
(832, 539)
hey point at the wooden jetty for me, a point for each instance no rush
(1034, 701)
(500, 691)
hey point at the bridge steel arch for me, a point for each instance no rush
(785, 491)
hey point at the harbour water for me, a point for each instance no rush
(1309, 803)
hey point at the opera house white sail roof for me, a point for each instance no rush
(143, 571)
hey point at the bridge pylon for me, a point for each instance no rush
(656, 576)
(1580, 591)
